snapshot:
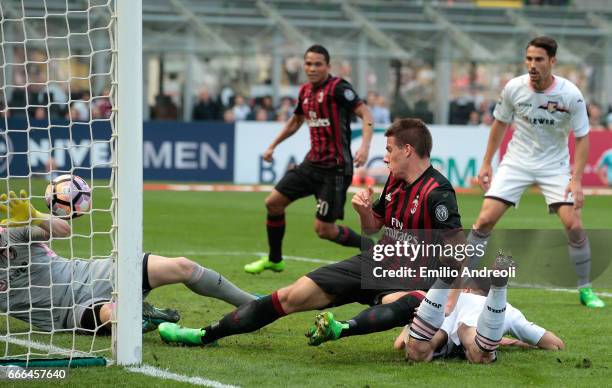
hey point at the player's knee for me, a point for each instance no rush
(325, 230)
(485, 222)
(289, 299)
(476, 356)
(274, 206)
(184, 267)
(576, 233)
(418, 351)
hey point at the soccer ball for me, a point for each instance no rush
(68, 196)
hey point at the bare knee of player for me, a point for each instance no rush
(475, 355)
(325, 230)
(550, 341)
(169, 270)
(292, 298)
(184, 267)
(492, 210)
(485, 222)
(576, 235)
(276, 203)
(418, 350)
(303, 295)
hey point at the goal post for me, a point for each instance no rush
(71, 104)
(127, 346)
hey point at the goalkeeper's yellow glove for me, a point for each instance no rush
(19, 211)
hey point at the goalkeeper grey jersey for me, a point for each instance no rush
(50, 292)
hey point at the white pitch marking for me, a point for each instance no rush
(166, 375)
(144, 369)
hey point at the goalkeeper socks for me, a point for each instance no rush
(206, 282)
(490, 326)
(430, 315)
(275, 225)
(580, 255)
(246, 318)
(349, 238)
(477, 239)
(383, 317)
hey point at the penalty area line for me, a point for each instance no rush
(315, 260)
(144, 369)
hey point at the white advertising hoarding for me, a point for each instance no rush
(457, 151)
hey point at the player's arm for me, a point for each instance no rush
(52, 227)
(550, 341)
(367, 130)
(581, 154)
(446, 220)
(362, 203)
(496, 135)
(580, 127)
(19, 212)
(293, 124)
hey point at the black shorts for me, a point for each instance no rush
(328, 186)
(343, 280)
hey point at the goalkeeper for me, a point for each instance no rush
(56, 294)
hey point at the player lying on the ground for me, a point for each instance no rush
(477, 323)
(54, 293)
(412, 179)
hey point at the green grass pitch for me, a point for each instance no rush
(223, 230)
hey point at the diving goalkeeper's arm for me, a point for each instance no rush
(19, 212)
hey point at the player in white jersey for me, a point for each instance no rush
(544, 108)
(57, 294)
(477, 323)
(460, 326)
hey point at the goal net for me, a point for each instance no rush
(70, 107)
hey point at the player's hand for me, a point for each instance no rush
(362, 201)
(267, 155)
(19, 211)
(485, 175)
(575, 188)
(361, 156)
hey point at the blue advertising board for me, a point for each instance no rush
(197, 151)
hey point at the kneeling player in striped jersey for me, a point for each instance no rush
(53, 293)
(477, 324)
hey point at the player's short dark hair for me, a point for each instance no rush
(317, 48)
(545, 42)
(413, 132)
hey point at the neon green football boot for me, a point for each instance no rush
(262, 264)
(171, 333)
(589, 299)
(326, 328)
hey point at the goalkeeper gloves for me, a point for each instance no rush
(19, 211)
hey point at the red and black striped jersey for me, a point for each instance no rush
(428, 203)
(327, 109)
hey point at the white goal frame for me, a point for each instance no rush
(127, 337)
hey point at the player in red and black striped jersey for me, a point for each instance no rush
(326, 103)
(408, 148)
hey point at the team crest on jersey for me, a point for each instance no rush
(388, 197)
(415, 205)
(552, 107)
(441, 213)
(306, 101)
(320, 99)
(349, 95)
(3, 286)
